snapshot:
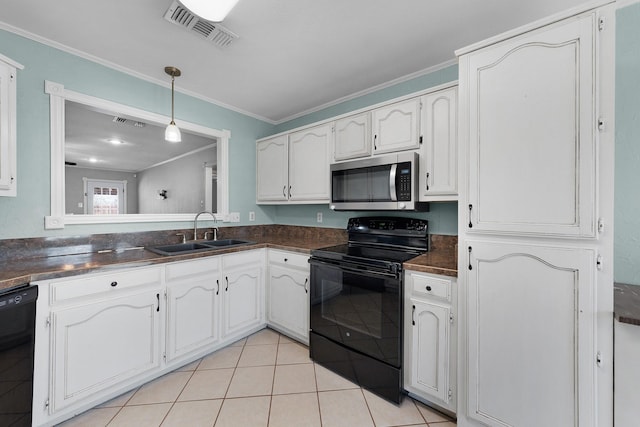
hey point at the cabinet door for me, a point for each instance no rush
(242, 299)
(309, 164)
(192, 311)
(428, 329)
(95, 346)
(272, 169)
(439, 151)
(532, 141)
(289, 300)
(353, 137)
(531, 357)
(396, 127)
(7, 129)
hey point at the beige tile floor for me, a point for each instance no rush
(263, 380)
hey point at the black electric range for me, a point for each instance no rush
(357, 301)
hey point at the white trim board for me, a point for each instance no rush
(58, 217)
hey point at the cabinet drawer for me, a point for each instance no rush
(243, 258)
(431, 286)
(182, 269)
(96, 284)
(289, 259)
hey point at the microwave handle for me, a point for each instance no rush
(392, 182)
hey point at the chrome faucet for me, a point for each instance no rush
(195, 225)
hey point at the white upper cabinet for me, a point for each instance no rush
(272, 169)
(396, 127)
(8, 166)
(439, 151)
(309, 157)
(532, 142)
(294, 168)
(353, 137)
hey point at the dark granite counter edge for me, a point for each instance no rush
(626, 303)
(440, 259)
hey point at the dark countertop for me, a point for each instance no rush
(626, 305)
(442, 257)
(442, 262)
(54, 262)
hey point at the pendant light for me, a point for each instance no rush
(214, 11)
(172, 133)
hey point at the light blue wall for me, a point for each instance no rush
(627, 175)
(23, 216)
(442, 217)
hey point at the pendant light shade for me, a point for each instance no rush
(210, 10)
(172, 133)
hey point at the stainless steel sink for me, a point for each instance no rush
(193, 247)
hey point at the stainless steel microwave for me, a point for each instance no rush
(387, 182)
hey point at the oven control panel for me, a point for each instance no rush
(373, 224)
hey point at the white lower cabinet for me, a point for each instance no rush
(100, 344)
(193, 306)
(102, 338)
(288, 294)
(430, 339)
(100, 335)
(242, 298)
(531, 330)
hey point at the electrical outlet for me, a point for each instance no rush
(319, 217)
(234, 217)
(252, 216)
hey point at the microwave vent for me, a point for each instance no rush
(211, 31)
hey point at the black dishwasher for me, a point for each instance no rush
(17, 332)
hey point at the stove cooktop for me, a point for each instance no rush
(365, 253)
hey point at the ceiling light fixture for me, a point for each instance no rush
(172, 133)
(115, 141)
(214, 11)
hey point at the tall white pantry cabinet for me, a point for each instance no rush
(535, 224)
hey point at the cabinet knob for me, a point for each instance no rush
(286, 259)
(429, 288)
(114, 284)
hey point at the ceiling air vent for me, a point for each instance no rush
(125, 121)
(214, 32)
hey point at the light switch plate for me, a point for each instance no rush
(252, 216)
(319, 217)
(234, 217)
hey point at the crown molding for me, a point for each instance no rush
(373, 89)
(89, 57)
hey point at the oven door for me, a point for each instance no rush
(360, 309)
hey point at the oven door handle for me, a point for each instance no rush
(346, 267)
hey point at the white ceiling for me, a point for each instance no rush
(293, 56)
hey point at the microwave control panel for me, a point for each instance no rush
(403, 182)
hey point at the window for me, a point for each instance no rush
(105, 197)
